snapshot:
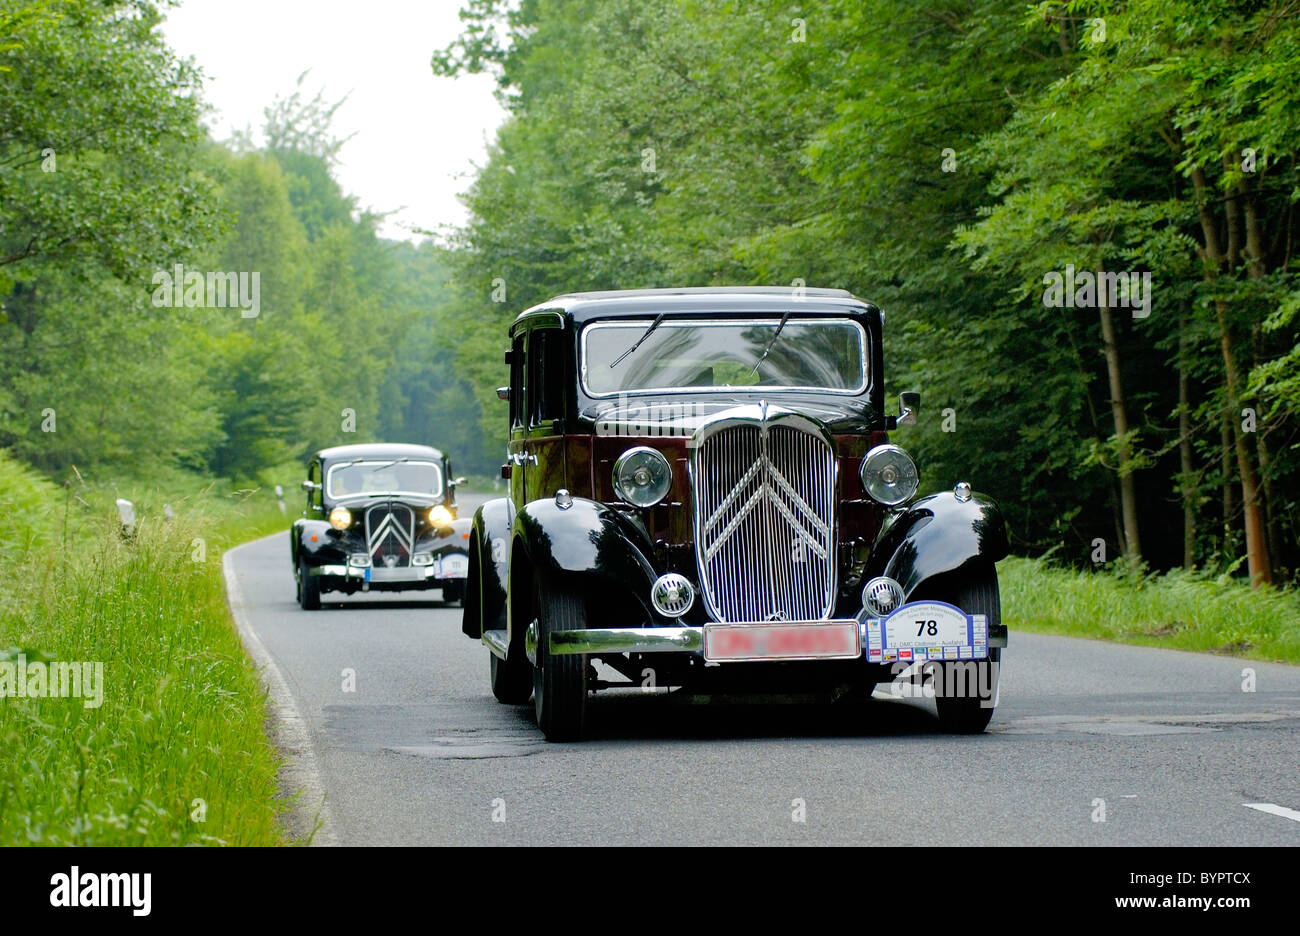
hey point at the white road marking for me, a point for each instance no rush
(293, 734)
(1275, 810)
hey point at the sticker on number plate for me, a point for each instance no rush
(933, 630)
(795, 640)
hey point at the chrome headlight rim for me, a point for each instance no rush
(340, 518)
(635, 459)
(889, 475)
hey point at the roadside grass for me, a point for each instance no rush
(177, 753)
(1178, 610)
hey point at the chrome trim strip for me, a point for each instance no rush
(496, 642)
(684, 321)
(629, 640)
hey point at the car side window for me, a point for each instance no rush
(546, 376)
(517, 389)
(314, 475)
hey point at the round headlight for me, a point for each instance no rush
(440, 516)
(642, 476)
(340, 518)
(889, 475)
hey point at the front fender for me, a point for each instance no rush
(317, 543)
(938, 535)
(489, 565)
(449, 539)
(593, 549)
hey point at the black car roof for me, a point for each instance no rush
(392, 450)
(632, 303)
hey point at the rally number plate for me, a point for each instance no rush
(927, 630)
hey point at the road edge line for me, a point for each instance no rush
(301, 769)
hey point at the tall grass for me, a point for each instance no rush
(1182, 610)
(177, 753)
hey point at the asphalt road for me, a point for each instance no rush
(421, 754)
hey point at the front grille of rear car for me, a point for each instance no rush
(390, 535)
(764, 496)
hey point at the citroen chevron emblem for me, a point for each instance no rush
(389, 526)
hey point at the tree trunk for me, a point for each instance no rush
(1188, 485)
(1252, 516)
(1225, 463)
(1127, 490)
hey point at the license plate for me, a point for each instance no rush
(453, 566)
(927, 630)
(808, 640)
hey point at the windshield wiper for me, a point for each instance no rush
(389, 494)
(644, 335)
(763, 357)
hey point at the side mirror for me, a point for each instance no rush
(503, 393)
(909, 403)
(457, 482)
(310, 486)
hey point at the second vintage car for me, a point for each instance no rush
(379, 517)
(703, 494)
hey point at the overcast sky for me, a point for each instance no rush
(417, 136)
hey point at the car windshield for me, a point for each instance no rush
(696, 355)
(384, 476)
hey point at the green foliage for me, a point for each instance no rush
(939, 158)
(1180, 609)
(182, 710)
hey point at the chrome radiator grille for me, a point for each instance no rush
(765, 520)
(390, 534)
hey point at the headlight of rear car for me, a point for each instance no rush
(440, 516)
(340, 518)
(642, 476)
(889, 475)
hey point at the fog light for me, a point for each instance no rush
(672, 595)
(882, 596)
(422, 559)
(359, 560)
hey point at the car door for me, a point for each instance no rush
(516, 448)
(544, 452)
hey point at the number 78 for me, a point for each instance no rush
(930, 628)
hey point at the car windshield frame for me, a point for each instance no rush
(635, 328)
(382, 462)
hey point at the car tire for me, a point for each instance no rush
(977, 593)
(559, 682)
(512, 680)
(308, 588)
(454, 594)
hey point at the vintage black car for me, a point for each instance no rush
(379, 518)
(703, 494)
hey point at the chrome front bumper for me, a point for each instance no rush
(382, 574)
(657, 640)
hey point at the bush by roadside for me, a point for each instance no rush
(167, 746)
(1180, 610)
